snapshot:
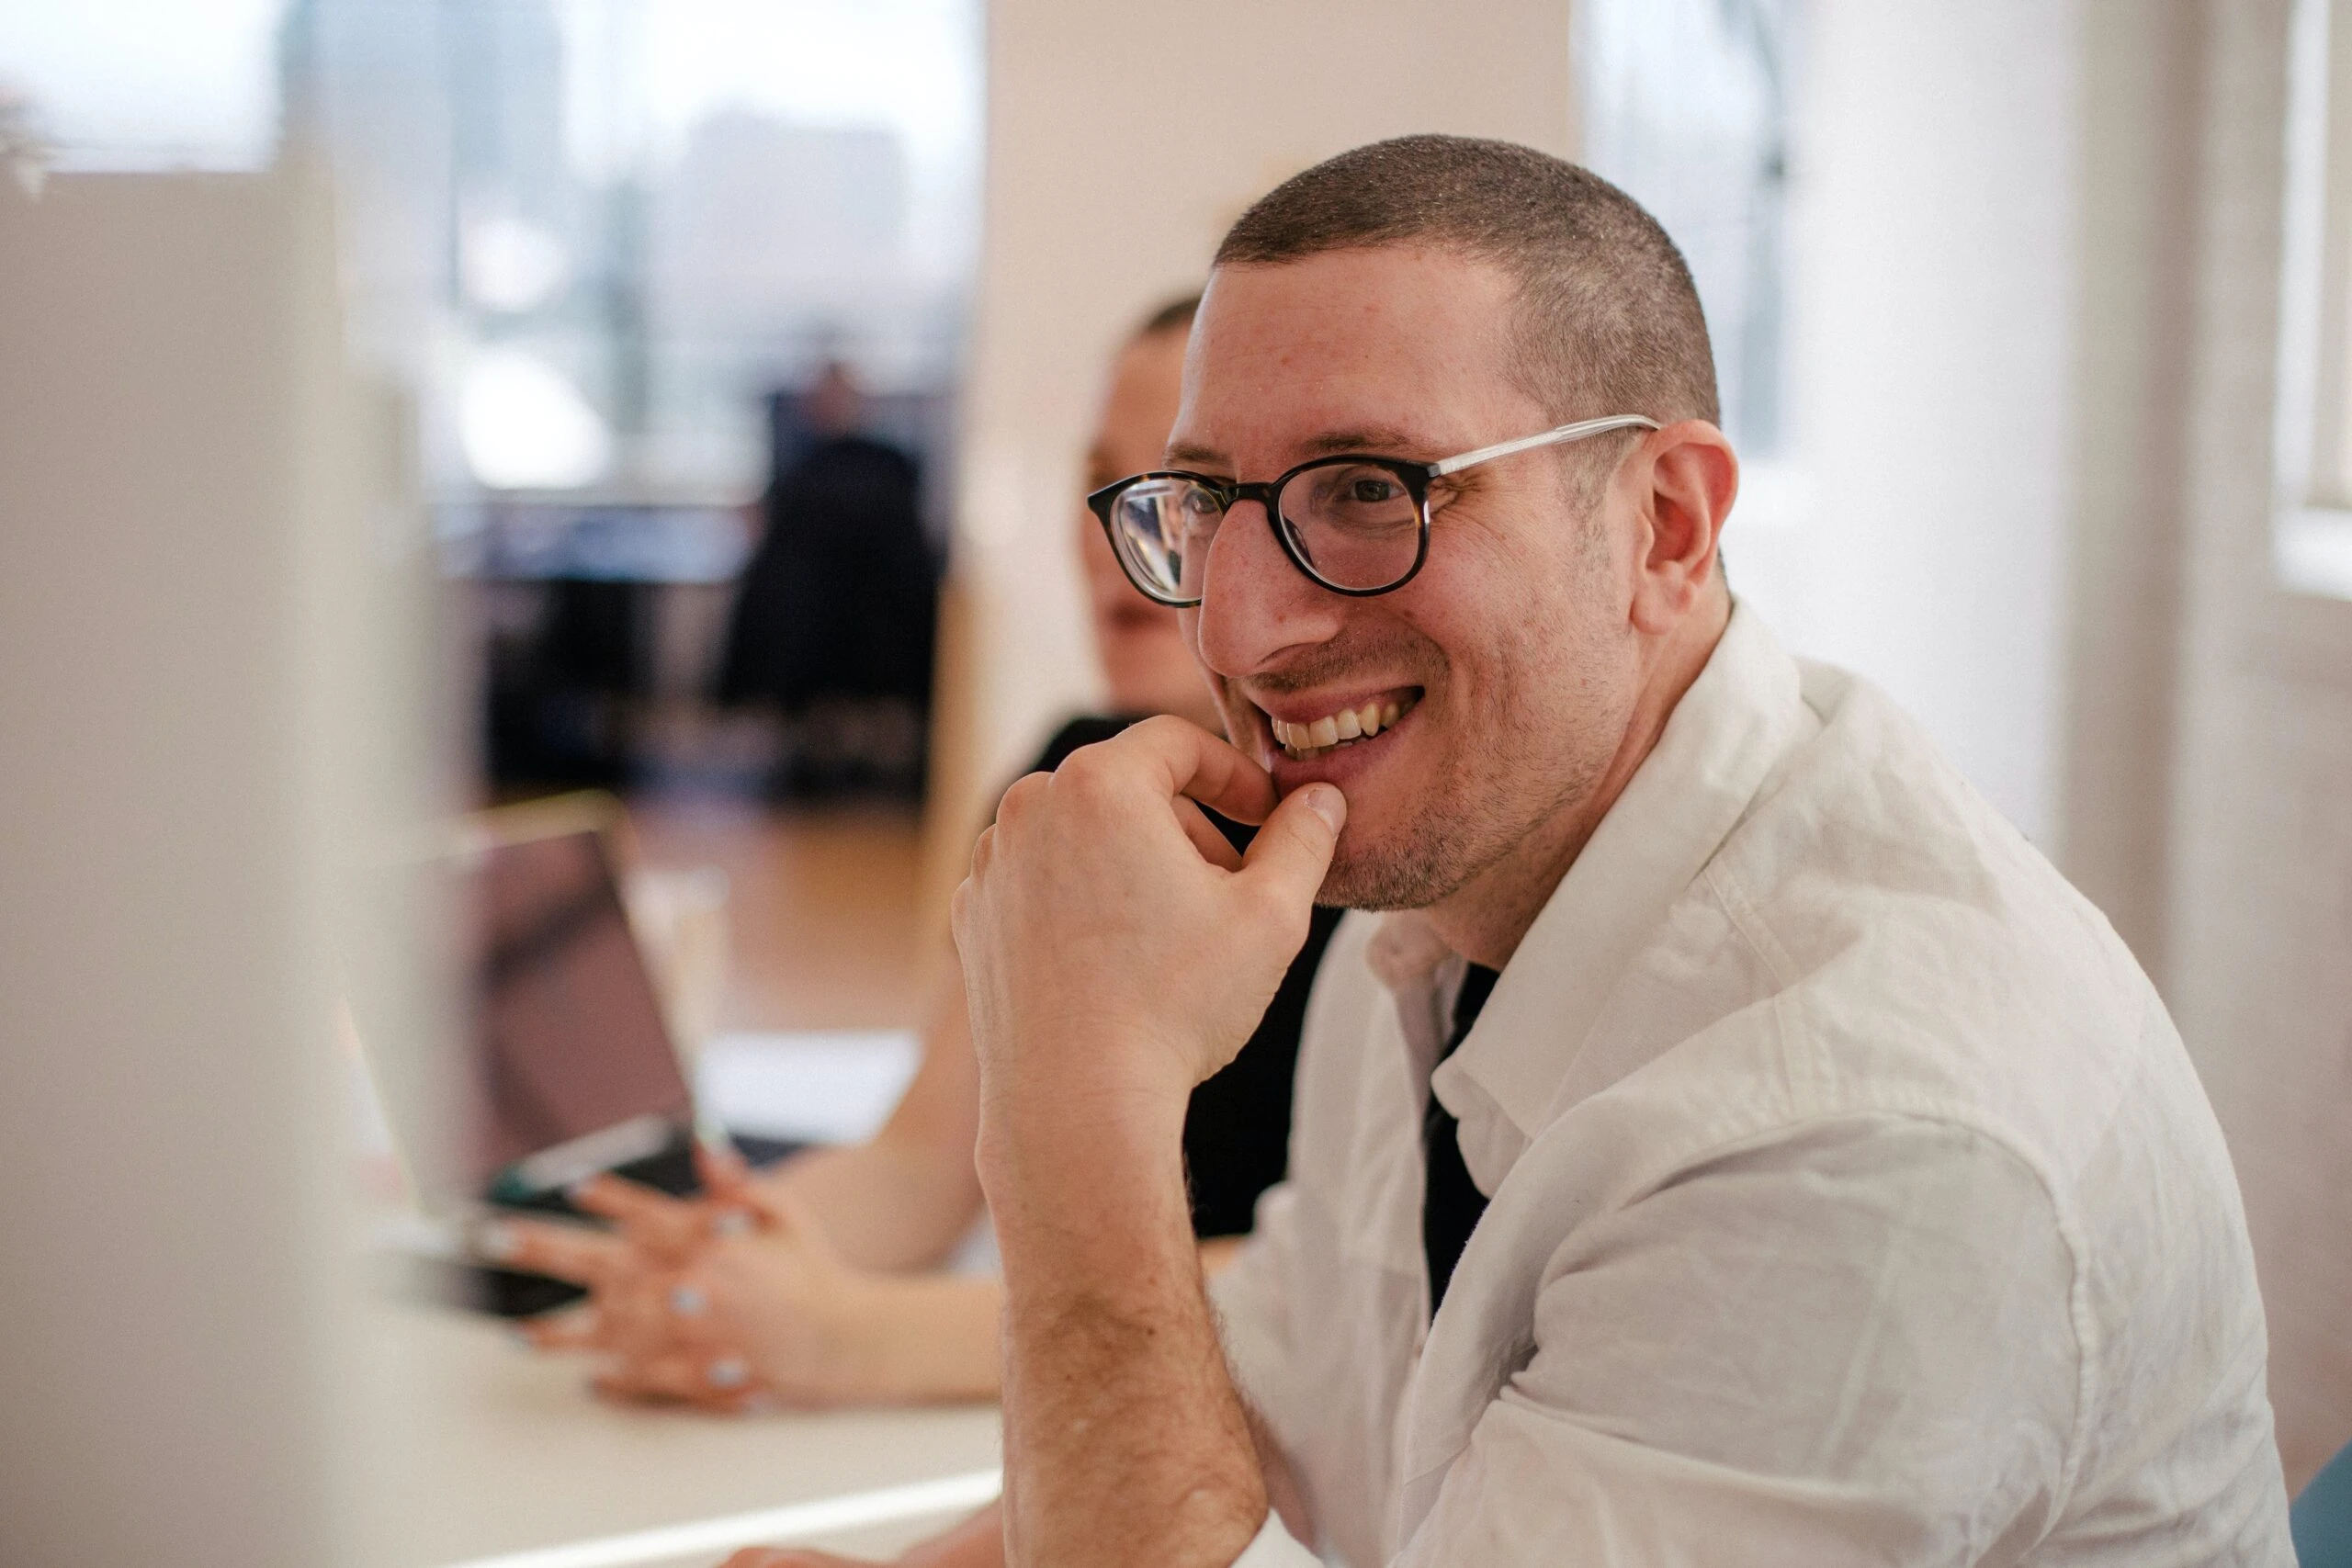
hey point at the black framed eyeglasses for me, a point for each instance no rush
(1355, 526)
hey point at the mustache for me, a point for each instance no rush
(1414, 657)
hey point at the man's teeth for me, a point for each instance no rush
(1333, 729)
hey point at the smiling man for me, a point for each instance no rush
(1730, 1143)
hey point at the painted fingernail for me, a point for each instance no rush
(496, 1242)
(688, 1302)
(727, 1372)
(569, 1326)
(731, 1221)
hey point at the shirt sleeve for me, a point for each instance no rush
(1252, 1324)
(1854, 1345)
(1274, 1547)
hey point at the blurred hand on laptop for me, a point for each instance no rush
(732, 1301)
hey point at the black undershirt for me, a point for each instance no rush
(1451, 1203)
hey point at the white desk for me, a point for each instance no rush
(481, 1447)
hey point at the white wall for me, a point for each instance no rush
(1931, 205)
(1123, 139)
(2259, 938)
(2133, 329)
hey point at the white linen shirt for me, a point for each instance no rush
(1853, 1199)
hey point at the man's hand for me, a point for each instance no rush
(1116, 952)
(1113, 942)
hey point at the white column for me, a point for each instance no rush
(1932, 224)
(167, 1163)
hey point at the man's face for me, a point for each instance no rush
(1511, 659)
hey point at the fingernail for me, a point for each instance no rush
(533, 1331)
(731, 1221)
(1327, 802)
(579, 1189)
(496, 1242)
(761, 1404)
(727, 1372)
(688, 1302)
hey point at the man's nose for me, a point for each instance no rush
(1255, 604)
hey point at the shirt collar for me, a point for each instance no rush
(1738, 720)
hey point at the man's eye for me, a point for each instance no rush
(1372, 491)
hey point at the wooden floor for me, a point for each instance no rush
(821, 907)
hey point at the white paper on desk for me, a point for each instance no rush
(821, 1086)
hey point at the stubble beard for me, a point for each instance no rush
(1486, 801)
(1469, 823)
(1495, 800)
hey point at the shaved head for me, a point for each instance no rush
(1607, 320)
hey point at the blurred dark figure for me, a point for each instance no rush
(837, 616)
(566, 657)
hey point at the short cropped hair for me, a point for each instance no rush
(1607, 319)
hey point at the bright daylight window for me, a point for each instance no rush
(139, 83)
(587, 236)
(2312, 519)
(614, 264)
(594, 232)
(1685, 106)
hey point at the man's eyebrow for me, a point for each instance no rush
(1184, 454)
(1382, 440)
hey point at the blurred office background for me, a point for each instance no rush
(396, 396)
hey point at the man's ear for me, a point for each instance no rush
(1693, 475)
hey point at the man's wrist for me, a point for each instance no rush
(1087, 1191)
(1118, 1123)
(1119, 1418)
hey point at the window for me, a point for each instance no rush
(593, 233)
(587, 236)
(1685, 106)
(2312, 514)
(138, 85)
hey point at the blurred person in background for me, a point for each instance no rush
(836, 619)
(819, 1283)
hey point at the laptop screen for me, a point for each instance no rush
(569, 1057)
(554, 1061)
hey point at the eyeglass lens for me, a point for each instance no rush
(1162, 527)
(1353, 525)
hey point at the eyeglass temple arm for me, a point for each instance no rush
(1576, 431)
